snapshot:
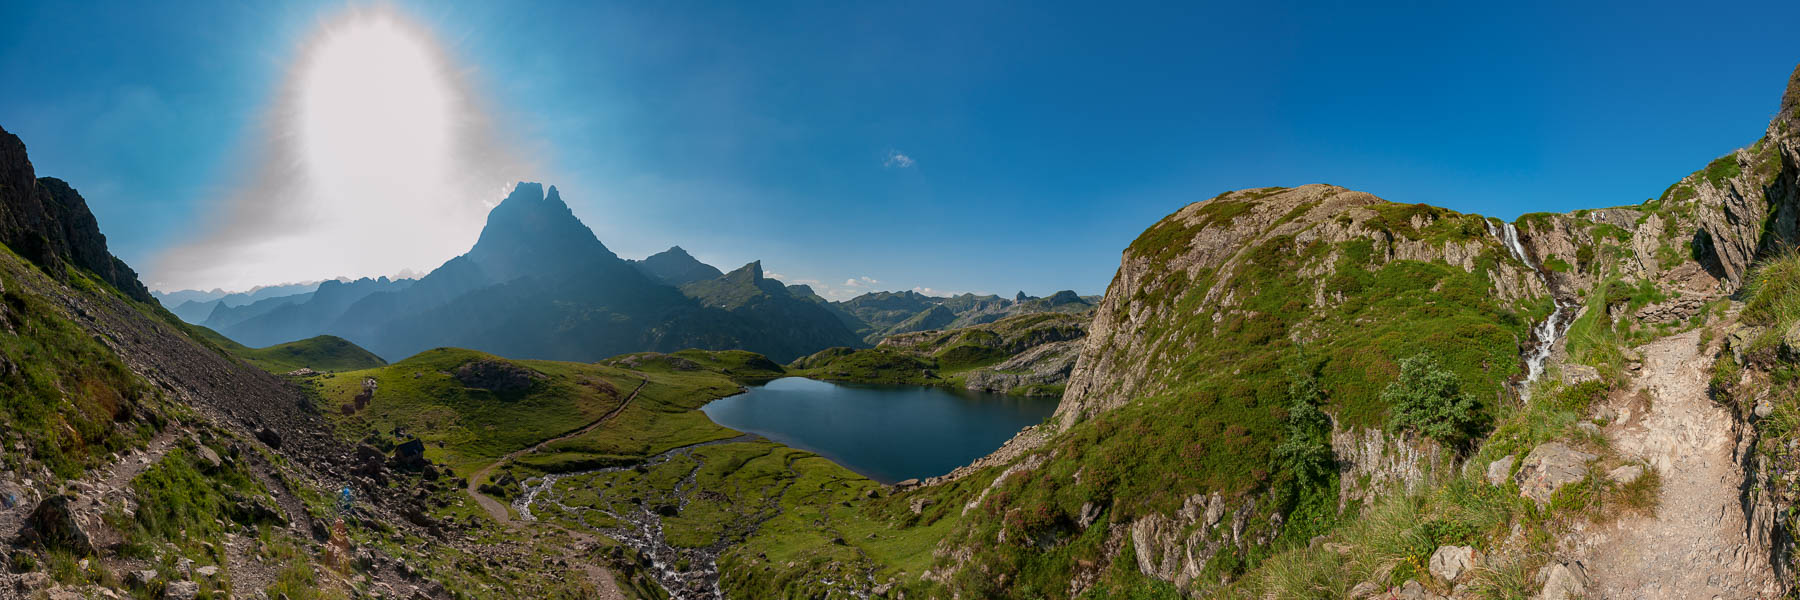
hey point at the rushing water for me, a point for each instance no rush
(887, 433)
(1552, 328)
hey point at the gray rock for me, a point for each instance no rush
(209, 460)
(207, 571)
(1790, 342)
(1763, 408)
(1498, 470)
(1563, 581)
(919, 504)
(1364, 590)
(181, 590)
(1548, 468)
(1573, 375)
(54, 524)
(142, 578)
(1450, 562)
(1626, 474)
(1413, 590)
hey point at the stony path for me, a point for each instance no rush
(1697, 544)
(602, 578)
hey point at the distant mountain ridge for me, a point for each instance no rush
(675, 267)
(539, 284)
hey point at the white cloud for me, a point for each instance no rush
(896, 160)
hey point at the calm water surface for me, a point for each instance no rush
(887, 433)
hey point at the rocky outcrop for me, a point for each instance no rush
(1045, 365)
(47, 221)
(498, 376)
(1175, 548)
(1372, 463)
(1549, 467)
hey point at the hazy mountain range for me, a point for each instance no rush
(538, 284)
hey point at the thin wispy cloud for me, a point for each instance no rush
(896, 160)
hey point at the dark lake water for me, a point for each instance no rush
(887, 433)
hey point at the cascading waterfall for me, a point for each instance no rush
(1546, 333)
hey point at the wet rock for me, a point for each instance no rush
(54, 524)
(1563, 581)
(1450, 562)
(1499, 470)
(1548, 468)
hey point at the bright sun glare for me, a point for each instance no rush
(374, 112)
(378, 157)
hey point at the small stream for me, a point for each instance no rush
(641, 528)
(1546, 333)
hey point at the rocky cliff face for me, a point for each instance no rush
(47, 221)
(1201, 253)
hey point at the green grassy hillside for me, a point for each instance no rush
(321, 353)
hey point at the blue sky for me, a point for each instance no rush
(1040, 138)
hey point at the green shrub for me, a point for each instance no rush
(1428, 399)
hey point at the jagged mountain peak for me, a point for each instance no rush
(749, 273)
(534, 232)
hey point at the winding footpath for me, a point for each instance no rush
(601, 576)
(1698, 543)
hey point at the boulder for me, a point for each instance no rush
(181, 590)
(918, 504)
(1625, 475)
(269, 437)
(53, 524)
(141, 578)
(1548, 468)
(1499, 470)
(1450, 562)
(410, 454)
(1573, 375)
(1413, 590)
(1790, 342)
(1563, 581)
(208, 459)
